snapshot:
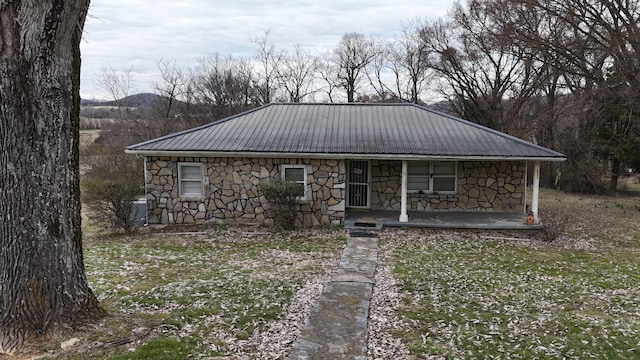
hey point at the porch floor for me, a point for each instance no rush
(377, 219)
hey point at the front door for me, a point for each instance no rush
(358, 184)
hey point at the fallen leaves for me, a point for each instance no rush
(227, 293)
(463, 296)
(437, 294)
(383, 320)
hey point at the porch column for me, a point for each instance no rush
(535, 190)
(403, 199)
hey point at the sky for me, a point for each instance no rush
(134, 34)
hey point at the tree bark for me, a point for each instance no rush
(43, 286)
(616, 164)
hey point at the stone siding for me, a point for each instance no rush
(482, 186)
(232, 192)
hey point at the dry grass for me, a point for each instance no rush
(462, 296)
(593, 222)
(219, 294)
(438, 294)
(88, 137)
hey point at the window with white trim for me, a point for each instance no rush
(190, 179)
(432, 176)
(298, 175)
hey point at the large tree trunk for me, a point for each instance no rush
(43, 287)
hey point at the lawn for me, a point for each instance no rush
(173, 296)
(572, 291)
(470, 295)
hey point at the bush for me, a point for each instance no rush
(283, 196)
(111, 185)
(113, 199)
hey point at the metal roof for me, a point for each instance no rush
(345, 130)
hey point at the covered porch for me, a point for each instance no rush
(472, 218)
(376, 219)
(489, 195)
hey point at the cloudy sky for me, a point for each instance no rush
(135, 34)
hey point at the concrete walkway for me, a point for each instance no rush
(337, 325)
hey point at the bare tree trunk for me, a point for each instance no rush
(43, 286)
(616, 164)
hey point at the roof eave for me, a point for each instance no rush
(183, 153)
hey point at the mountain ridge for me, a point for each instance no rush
(135, 100)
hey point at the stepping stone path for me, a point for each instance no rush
(337, 325)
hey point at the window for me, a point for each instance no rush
(444, 176)
(190, 179)
(418, 176)
(432, 176)
(296, 174)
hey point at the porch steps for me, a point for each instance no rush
(363, 229)
(363, 233)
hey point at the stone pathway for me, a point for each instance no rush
(337, 325)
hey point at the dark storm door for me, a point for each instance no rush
(358, 184)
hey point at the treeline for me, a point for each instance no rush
(564, 74)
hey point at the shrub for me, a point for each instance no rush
(111, 185)
(283, 196)
(112, 199)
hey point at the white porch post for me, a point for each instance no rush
(535, 190)
(403, 200)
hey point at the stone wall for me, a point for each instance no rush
(232, 192)
(482, 186)
(493, 186)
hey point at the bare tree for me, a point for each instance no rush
(43, 285)
(603, 50)
(353, 53)
(592, 48)
(479, 71)
(555, 112)
(224, 85)
(170, 111)
(269, 59)
(407, 57)
(400, 68)
(297, 73)
(172, 88)
(377, 73)
(117, 83)
(126, 121)
(328, 74)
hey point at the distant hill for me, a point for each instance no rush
(145, 101)
(87, 102)
(443, 106)
(136, 100)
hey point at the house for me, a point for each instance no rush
(347, 158)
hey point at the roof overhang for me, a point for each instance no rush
(339, 156)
